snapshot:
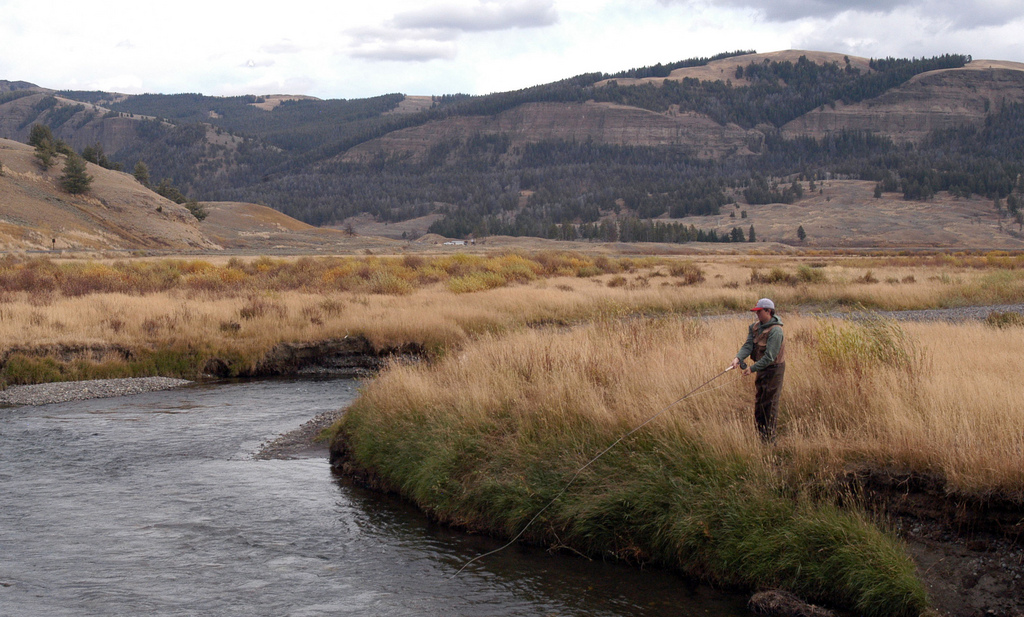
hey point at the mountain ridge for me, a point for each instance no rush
(655, 143)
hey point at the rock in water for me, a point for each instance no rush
(777, 603)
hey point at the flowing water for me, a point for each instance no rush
(153, 505)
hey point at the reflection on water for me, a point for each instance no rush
(153, 505)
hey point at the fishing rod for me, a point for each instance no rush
(742, 365)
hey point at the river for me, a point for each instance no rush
(154, 505)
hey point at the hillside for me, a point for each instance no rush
(116, 214)
(600, 123)
(669, 142)
(252, 228)
(932, 101)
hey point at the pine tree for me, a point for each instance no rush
(40, 134)
(751, 237)
(800, 233)
(141, 173)
(75, 179)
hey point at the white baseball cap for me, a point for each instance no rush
(764, 303)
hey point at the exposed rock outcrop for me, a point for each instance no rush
(777, 603)
(930, 101)
(603, 123)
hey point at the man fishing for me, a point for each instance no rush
(765, 346)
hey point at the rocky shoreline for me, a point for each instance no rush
(64, 391)
(953, 314)
(302, 442)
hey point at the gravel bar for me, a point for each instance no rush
(61, 392)
(962, 313)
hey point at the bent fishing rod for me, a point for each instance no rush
(742, 365)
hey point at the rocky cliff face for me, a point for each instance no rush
(604, 123)
(928, 102)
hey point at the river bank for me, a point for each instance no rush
(479, 440)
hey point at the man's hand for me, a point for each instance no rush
(735, 364)
(746, 371)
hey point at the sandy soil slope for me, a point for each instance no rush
(117, 213)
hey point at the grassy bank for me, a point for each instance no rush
(486, 437)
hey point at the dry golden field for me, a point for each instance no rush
(445, 301)
(944, 402)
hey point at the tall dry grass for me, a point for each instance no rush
(934, 398)
(488, 435)
(927, 397)
(244, 307)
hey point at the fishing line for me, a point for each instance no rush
(589, 463)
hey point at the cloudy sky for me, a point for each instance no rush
(346, 49)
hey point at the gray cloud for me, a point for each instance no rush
(486, 16)
(791, 10)
(431, 33)
(955, 13)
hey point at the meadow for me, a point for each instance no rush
(536, 362)
(88, 319)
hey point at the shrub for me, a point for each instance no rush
(388, 283)
(258, 307)
(868, 278)
(810, 274)
(476, 281)
(690, 272)
(773, 277)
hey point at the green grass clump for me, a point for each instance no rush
(1008, 319)
(859, 343)
(669, 502)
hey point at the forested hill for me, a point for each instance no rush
(669, 140)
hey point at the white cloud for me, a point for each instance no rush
(348, 50)
(406, 51)
(283, 46)
(906, 33)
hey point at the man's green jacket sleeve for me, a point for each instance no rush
(748, 347)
